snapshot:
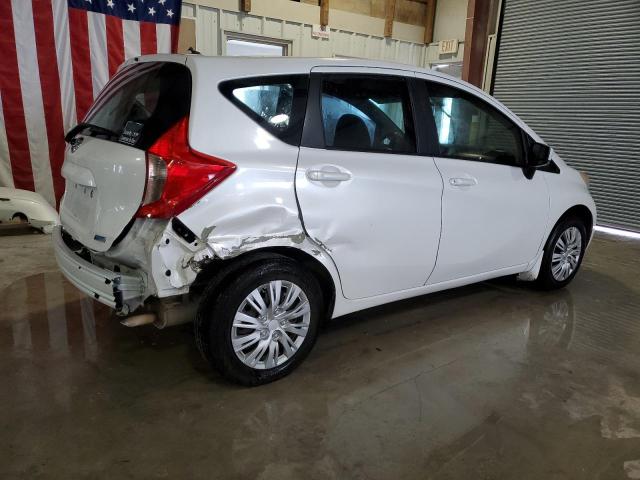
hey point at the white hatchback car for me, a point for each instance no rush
(24, 206)
(257, 197)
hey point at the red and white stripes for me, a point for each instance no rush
(53, 62)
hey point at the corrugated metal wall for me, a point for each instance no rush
(571, 70)
(211, 23)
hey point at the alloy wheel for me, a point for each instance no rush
(566, 254)
(271, 324)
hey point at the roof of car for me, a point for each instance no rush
(273, 64)
(307, 62)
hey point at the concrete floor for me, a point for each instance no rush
(491, 381)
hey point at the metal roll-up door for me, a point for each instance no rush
(571, 70)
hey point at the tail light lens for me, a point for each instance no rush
(177, 175)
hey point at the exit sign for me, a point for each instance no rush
(447, 46)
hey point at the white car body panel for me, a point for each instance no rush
(402, 193)
(256, 204)
(15, 202)
(104, 187)
(344, 306)
(494, 220)
(269, 202)
(565, 191)
(397, 251)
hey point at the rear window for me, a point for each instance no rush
(142, 102)
(276, 103)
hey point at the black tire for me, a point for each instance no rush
(546, 280)
(218, 307)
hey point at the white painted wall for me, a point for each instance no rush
(451, 20)
(352, 35)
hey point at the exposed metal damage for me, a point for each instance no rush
(248, 229)
(234, 246)
(181, 261)
(232, 235)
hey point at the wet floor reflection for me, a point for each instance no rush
(520, 383)
(46, 315)
(40, 309)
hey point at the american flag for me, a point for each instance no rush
(55, 56)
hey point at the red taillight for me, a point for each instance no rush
(177, 175)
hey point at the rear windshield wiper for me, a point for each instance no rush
(89, 126)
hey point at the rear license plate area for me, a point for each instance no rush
(81, 202)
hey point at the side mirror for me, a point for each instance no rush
(537, 157)
(539, 154)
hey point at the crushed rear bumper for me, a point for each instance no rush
(123, 292)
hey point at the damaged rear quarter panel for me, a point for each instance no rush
(253, 208)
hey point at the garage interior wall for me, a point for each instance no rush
(351, 34)
(579, 90)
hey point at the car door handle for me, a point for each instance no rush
(463, 182)
(327, 176)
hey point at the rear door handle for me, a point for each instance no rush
(463, 181)
(328, 176)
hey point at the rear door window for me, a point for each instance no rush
(276, 103)
(142, 102)
(367, 113)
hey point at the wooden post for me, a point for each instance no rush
(430, 21)
(324, 12)
(475, 41)
(245, 6)
(390, 14)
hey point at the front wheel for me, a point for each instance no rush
(262, 325)
(563, 254)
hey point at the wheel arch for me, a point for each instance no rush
(20, 215)
(583, 213)
(220, 272)
(580, 211)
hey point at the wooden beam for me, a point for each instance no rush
(245, 6)
(390, 15)
(430, 21)
(324, 12)
(475, 41)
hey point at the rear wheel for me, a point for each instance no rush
(563, 254)
(262, 325)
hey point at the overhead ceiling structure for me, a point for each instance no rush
(570, 69)
(392, 9)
